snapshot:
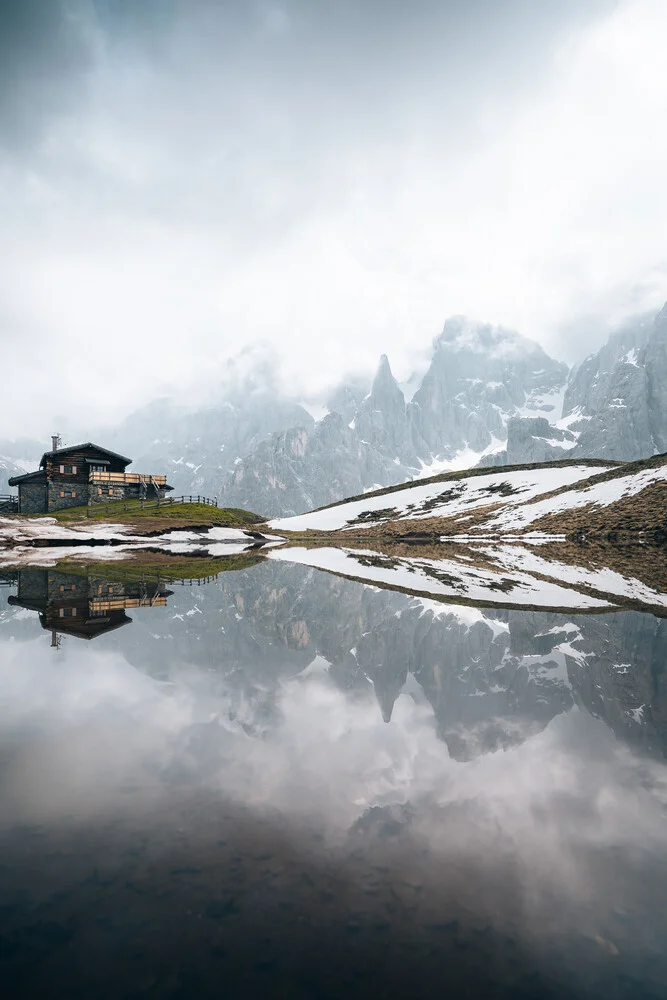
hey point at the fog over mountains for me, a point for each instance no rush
(489, 396)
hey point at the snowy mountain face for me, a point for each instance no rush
(488, 397)
(479, 378)
(8, 468)
(615, 403)
(198, 451)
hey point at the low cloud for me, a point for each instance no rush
(333, 180)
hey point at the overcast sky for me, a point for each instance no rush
(180, 179)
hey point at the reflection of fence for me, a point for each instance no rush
(121, 506)
(9, 503)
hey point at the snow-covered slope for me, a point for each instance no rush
(597, 496)
(453, 497)
(557, 497)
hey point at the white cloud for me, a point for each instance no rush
(157, 230)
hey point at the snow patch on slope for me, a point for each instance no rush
(595, 495)
(442, 499)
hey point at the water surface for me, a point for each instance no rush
(282, 782)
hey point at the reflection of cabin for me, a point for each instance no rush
(83, 474)
(83, 606)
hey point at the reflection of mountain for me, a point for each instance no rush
(82, 606)
(492, 677)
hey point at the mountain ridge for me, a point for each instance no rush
(489, 396)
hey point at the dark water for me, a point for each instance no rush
(282, 783)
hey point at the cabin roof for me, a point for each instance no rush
(26, 477)
(88, 445)
(89, 628)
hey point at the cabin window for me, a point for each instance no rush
(68, 493)
(68, 612)
(105, 491)
(97, 468)
(68, 586)
(68, 470)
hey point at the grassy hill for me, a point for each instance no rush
(164, 517)
(582, 497)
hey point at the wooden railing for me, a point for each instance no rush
(9, 503)
(124, 506)
(121, 603)
(96, 476)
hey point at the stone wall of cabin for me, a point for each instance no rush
(119, 491)
(32, 498)
(64, 588)
(122, 491)
(58, 486)
(44, 497)
(33, 584)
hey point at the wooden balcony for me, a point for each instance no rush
(120, 603)
(124, 478)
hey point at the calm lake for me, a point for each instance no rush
(280, 782)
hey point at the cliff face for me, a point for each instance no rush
(488, 397)
(478, 379)
(304, 468)
(8, 468)
(615, 403)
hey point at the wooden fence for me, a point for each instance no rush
(9, 503)
(140, 504)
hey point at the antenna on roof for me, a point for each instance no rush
(56, 441)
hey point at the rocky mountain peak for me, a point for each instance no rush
(384, 383)
(381, 418)
(462, 334)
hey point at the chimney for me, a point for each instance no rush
(55, 442)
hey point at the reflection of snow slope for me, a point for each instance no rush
(443, 578)
(605, 580)
(452, 498)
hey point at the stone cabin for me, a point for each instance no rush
(83, 606)
(83, 474)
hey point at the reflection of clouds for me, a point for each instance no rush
(569, 814)
(86, 723)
